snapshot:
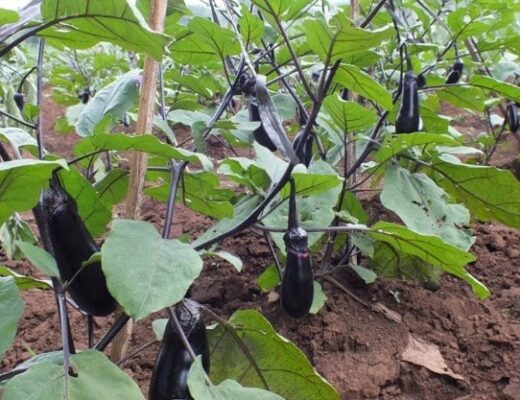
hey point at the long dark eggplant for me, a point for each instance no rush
(304, 151)
(64, 235)
(512, 117)
(170, 373)
(298, 279)
(408, 118)
(259, 133)
(455, 72)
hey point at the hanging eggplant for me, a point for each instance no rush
(421, 81)
(512, 117)
(455, 72)
(65, 236)
(19, 99)
(170, 373)
(84, 95)
(408, 117)
(259, 133)
(297, 290)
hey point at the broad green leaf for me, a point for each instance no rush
(113, 187)
(366, 274)
(91, 209)
(393, 145)
(313, 183)
(25, 282)
(507, 90)
(491, 194)
(158, 327)
(235, 261)
(84, 23)
(241, 211)
(201, 389)
(8, 16)
(21, 182)
(430, 249)
(146, 273)
(269, 279)
(465, 97)
(251, 27)
(426, 208)
(363, 84)
(295, 380)
(39, 258)
(318, 300)
(113, 100)
(97, 378)
(191, 82)
(19, 139)
(245, 172)
(15, 228)
(145, 143)
(200, 193)
(348, 116)
(342, 41)
(273, 7)
(11, 311)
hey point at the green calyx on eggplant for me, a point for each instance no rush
(455, 72)
(297, 290)
(65, 236)
(408, 118)
(512, 117)
(172, 365)
(19, 100)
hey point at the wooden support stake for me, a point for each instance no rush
(138, 161)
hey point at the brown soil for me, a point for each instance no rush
(357, 349)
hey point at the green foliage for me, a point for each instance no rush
(11, 310)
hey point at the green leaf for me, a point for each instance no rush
(8, 16)
(363, 84)
(488, 192)
(318, 300)
(84, 23)
(19, 139)
(158, 327)
(507, 90)
(145, 143)
(425, 208)
(97, 378)
(395, 144)
(25, 282)
(21, 182)
(296, 380)
(309, 184)
(113, 100)
(113, 187)
(235, 261)
(348, 116)
(251, 27)
(11, 311)
(146, 273)
(465, 97)
(15, 228)
(269, 279)
(91, 209)
(201, 389)
(366, 274)
(39, 258)
(430, 249)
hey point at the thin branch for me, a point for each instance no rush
(39, 89)
(17, 120)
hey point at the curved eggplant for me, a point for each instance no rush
(455, 72)
(64, 236)
(170, 373)
(304, 153)
(512, 117)
(298, 279)
(408, 118)
(259, 133)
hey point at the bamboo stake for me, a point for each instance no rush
(138, 161)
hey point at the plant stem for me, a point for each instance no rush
(15, 119)
(39, 89)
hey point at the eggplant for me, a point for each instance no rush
(512, 117)
(172, 365)
(259, 133)
(19, 99)
(304, 153)
(84, 95)
(455, 72)
(65, 236)
(408, 117)
(297, 290)
(421, 81)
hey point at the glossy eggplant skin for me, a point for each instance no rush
(19, 99)
(455, 72)
(259, 133)
(512, 117)
(408, 117)
(172, 365)
(298, 280)
(304, 153)
(65, 236)
(421, 81)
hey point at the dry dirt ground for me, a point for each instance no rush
(360, 351)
